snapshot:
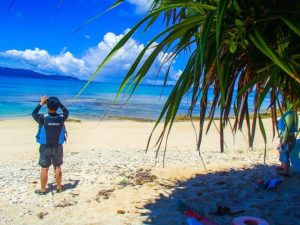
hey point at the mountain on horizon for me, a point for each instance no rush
(10, 72)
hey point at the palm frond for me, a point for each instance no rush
(236, 48)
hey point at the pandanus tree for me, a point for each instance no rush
(236, 48)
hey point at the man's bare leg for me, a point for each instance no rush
(286, 168)
(58, 177)
(44, 178)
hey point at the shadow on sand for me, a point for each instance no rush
(235, 189)
(72, 184)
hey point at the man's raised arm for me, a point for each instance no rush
(64, 110)
(35, 113)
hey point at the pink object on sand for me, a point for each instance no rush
(203, 220)
(249, 220)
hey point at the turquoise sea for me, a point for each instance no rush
(19, 96)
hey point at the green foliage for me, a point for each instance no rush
(235, 47)
(124, 182)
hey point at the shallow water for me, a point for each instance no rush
(18, 97)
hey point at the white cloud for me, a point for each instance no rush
(67, 64)
(41, 60)
(119, 63)
(30, 55)
(142, 6)
(176, 75)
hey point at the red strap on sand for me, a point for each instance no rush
(203, 220)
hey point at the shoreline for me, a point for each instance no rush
(78, 118)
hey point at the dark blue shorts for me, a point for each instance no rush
(51, 154)
(285, 151)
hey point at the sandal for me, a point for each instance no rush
(39, 192)
(222, 211)
(284, 174)
(59, 190)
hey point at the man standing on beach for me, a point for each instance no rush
(288, 124)
(51, 136)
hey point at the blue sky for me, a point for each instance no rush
(37, 35)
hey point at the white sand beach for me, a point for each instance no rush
(109, 178)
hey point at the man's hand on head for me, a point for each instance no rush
(43, 100)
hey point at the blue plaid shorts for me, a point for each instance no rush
(51, 154)
(285, 151)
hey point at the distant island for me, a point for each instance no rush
(10, 72)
